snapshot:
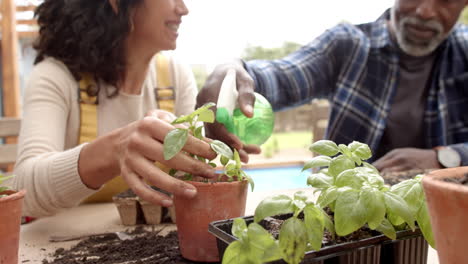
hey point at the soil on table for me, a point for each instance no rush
(463, 180)
(147, 247)
(392, 178)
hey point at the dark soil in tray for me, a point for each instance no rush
(392, 178)
(463, 180)
(273, 226)
(147, 247)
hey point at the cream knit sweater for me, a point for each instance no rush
(48, 152)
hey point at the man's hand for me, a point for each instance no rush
(246, 99)
(403, 159)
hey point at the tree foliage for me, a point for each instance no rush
(262, 53)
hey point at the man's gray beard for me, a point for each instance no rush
(417, 49)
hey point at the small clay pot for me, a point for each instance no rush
(10, 221)
(214, 201)
(448, 208)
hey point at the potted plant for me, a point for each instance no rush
(447, 198)
(11, 203)
(216, 199)
(354, 205)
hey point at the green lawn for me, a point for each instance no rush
(296, 139)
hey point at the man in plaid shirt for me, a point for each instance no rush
(399, 84)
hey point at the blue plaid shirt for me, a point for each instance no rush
(356, 68)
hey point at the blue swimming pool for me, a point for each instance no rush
(273, 178)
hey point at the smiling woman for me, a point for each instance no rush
(92, 107)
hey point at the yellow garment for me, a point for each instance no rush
(165, 97)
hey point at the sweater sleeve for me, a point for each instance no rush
(185, 87)
(47, 170)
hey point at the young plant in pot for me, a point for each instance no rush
(447, 197)
(354, 216)
(11, 203)
(216, 199)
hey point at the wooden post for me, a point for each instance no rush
(10, 81)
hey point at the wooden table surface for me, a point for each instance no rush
(98, 218)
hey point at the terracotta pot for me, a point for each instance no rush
(214, 201)
(10, 218)
(448, 208)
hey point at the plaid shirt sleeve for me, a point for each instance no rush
(462, 149)
(308, 73)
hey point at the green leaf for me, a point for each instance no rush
(262, 244)
(361, 150)
(325, 147)
(182, 119)
(293, 240)
(356, 159)
(315, 223)
(221, 149)
(299, 206)
(387, 229)
(320, 180)
(251, 181)
(300, 195)
(349, 178)
(2, 189)
(239, 227)
(300, 201)
(238, 253)
(395, 219)
(350, 212)
(319, 161)
(198, 132)
(199, 111)
(345, 150)
(224, 160)
(237, 159)
(174, 142)
(327, 196)
(424, 223)
(206, 116)
(411, 191)
(212, 164)
(4, 177)
(398, 207)
(370, 166)
(230, 167)
(172, 172)
(375, 180)
(274, 205)
(373, 200)
(328, 223)
(340, 164)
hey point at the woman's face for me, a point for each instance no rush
(156, 23)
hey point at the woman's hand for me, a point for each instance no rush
(134, 151)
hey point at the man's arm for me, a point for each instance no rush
(308, 73)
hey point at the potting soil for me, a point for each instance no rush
(392, 178)
(147, 247)
(463, 180)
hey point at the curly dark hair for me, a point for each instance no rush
(86, 35)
